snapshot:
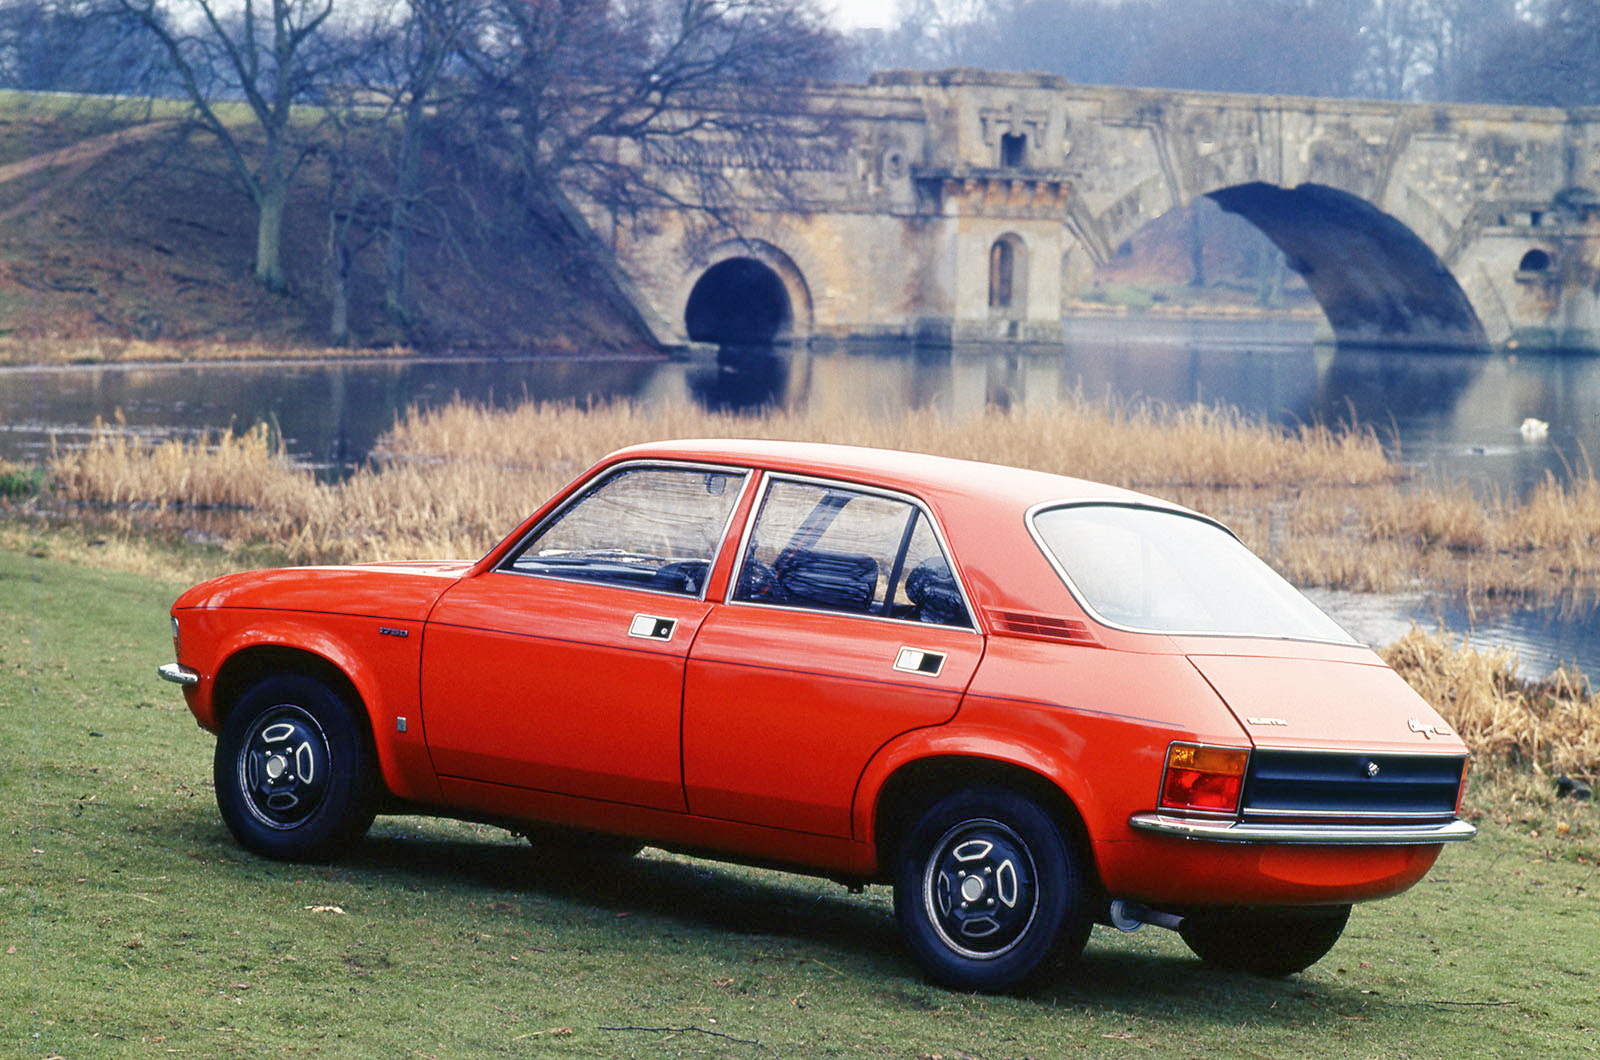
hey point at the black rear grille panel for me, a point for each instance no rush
(1319, 784)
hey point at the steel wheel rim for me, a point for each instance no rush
(284, 767)
(980, 889)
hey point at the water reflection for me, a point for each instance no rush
(1453, 415)
(1542, 637)
(741, 379)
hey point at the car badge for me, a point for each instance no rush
(1266, 721)
(1372, 769)
(1428, 731)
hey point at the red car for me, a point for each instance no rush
(1030, 702)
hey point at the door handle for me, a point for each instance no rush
(649, 627)
(919, 661)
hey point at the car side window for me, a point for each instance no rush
(649, 528)
(829, 548)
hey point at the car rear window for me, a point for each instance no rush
(1162, 571)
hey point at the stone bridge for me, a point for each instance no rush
(970, 205)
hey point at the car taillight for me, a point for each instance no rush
(1204, 778)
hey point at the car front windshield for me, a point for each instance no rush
(1163, 571)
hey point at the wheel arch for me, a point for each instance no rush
(918, 782)
(248, 665)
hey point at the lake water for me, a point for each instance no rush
(1454, 416)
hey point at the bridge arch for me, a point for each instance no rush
(1375, 278)
(749, 293)
(1378, 282)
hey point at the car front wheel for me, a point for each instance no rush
(293, 770)
(988, 892)
(1265, 942)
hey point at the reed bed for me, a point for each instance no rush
(220, 470)
(1327, 507)
(1144, 444)
(1546, 726)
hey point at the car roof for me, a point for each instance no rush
(920, 474)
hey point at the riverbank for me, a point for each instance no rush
(102, 266)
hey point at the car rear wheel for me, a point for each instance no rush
(1268, 942)
(988, 892)
(293, 769)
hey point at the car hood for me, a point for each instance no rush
(378, 590)
(1324, 703)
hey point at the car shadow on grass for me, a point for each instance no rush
(1144, 976)
(704, 894)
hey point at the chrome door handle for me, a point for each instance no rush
(649, 627)
(919, 661)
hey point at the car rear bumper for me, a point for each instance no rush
(1453, 831)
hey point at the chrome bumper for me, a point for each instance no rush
(178, 675)
(1312, 834)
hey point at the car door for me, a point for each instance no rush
(845, 626)
(561, 670)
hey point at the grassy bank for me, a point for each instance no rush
(128, 239)
(133, 927)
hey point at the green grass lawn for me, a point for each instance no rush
(130, 924)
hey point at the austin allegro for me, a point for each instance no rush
(1030, 703)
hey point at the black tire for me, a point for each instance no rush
(1266, 942)
(294, 772)
(988, 892)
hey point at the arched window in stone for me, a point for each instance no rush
(1535, 260)
(1006, 272)
(1002, 274)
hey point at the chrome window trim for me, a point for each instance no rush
(768, 477)
(1083, 602)
(746, 474)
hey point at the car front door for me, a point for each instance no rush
(845, 626)
(561, 670)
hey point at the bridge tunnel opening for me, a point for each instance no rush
(738, 302)
(1376, 281)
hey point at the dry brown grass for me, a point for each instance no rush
(105, 349)
(1327, 507)
(1546, 726)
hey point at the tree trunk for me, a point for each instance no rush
(269, 236)
(396, 298)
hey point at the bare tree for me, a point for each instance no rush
(586, 94)
(274, 56)
(1550, 61)
(1274, 46)
(90, 46)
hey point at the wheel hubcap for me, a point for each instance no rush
(284, 767)
(980, 889)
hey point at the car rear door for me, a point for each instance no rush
(844, 627)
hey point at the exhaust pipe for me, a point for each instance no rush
(1131, 916)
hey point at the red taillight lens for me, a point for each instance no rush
(1203, 778)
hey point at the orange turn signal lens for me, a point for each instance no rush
(1203, 778)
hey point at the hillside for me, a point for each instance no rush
(118, 230)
